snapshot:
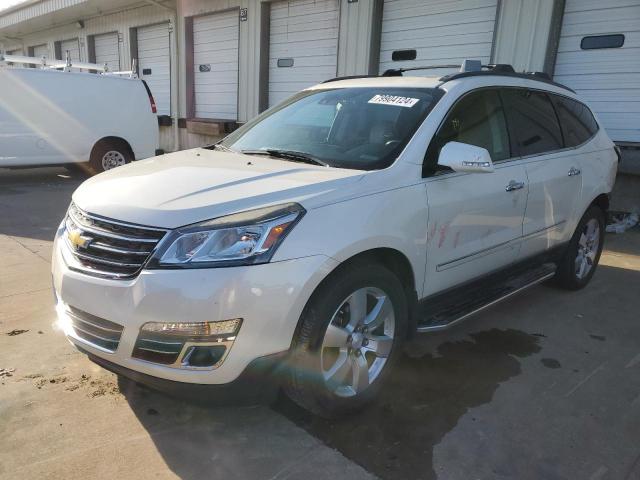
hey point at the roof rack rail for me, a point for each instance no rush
(349, 77)
(468, 68)
(507, 71)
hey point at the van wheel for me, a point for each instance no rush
(583, 253)
(349, 335)
(110, 154)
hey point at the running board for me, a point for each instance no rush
(445, 310)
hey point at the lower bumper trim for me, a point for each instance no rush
(258, 383)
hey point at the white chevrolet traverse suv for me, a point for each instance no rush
(305, 247)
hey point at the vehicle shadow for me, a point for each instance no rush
(392, 439)
(423, 400)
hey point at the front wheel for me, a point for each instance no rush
(583, 253)
(349, 335)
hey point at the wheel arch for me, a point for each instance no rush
(602, 201)
(111, 140)
(395, 261)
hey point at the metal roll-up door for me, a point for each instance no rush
(423, 33)
(303, 45)
(215, 56)
(599, 57)
(154, 63)
(107, 50)
(73, 47)
(41, 51)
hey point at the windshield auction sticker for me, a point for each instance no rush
(394, 100)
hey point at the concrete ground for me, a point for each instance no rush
(543, 386)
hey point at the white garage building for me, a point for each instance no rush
(212, 64)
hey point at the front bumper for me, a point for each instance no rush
(269, 298)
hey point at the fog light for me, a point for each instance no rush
(198, 331)
(186, 344)
(203, 356)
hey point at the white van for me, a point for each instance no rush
(50, 117)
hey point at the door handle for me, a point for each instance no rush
(513, 185)
(573, 171)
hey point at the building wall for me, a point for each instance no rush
(120, 21)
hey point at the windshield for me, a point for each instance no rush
(359, 128)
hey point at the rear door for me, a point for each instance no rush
(553, 172)
(475, 219)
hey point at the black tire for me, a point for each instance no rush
(305, 384)
(566, 275)
(116, 148)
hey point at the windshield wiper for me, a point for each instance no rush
(291, 155)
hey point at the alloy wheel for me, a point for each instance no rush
(358, 341)
(588, 245)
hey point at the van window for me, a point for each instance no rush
(477, 119)
(532, 121)
(576, 120)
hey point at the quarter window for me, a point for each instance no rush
(532, 121)
(576, 120)
(477, 119)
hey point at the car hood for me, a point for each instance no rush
(190, 186)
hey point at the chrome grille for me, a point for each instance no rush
(108, 248)
(95, 330)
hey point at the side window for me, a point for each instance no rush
(576, 120)
(532, 121)
(477, 119)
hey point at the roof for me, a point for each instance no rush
(482, 79)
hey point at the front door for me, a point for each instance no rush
(475, 219)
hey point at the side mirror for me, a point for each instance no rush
(462, 157)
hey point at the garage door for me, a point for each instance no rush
(154, 57)
(107, 50)
(73, 47)
(303, 45)
(40, 51)
(423, 33)
(599, 57)
(215, 58)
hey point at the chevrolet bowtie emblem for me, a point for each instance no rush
(78, 240)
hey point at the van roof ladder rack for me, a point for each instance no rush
(65, 65)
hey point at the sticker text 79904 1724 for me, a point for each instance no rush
(394, 100)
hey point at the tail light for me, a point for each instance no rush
(154, 109)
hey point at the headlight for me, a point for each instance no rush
(241, 239)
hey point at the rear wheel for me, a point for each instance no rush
(583, 253)
(349, 336)
(109, 154)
